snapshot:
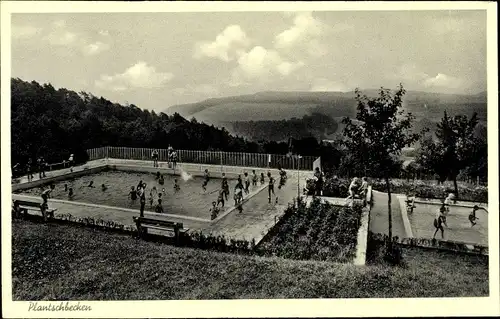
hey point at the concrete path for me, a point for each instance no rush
(258, 214)
(379, 215)
(63, 171)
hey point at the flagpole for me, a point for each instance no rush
(298, 177)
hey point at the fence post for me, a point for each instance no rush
(221, 163)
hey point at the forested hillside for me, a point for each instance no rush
(53, 123)
(316, 125)
(427, 107)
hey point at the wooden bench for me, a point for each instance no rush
(23, 206)
(173, 229)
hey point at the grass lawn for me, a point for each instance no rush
(57, 262)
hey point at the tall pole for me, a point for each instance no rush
(298, 178)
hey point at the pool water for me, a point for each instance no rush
(422, 218)
(190, 200)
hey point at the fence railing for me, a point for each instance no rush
(206, 157)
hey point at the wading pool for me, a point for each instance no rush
(190, 200)
(422, 218)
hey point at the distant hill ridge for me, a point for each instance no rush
(278, 105)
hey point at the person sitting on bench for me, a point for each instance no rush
(353, 188)
(364, 187)
(410, 201)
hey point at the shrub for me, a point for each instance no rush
(320, 232)
(427, 190)
(332, 187)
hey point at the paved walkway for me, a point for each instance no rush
(63, 171)
(258, 214)
(379, 215)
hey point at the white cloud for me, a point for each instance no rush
(411, 74)
(260, 63)
(227, 46)
(95, 48)
(444, 81)
(447, 25)
(59, 23)
(61, 37)
(140, 75)
(307, 35)
(180, 91)
(316, 49)
(325, 85)
(25, 31)
(305, 26)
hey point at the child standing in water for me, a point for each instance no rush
(225, 185)
(247, 183)
(262, 179)
(472, 216)
(238, 195)
(439, 221)
(206, 177)
(159, 207)
(220, 199)
(271, 186)
(150, 198)
(132, 195)
(214, 211)
(254, 178)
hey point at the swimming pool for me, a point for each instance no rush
(421, 221)
(190, 200)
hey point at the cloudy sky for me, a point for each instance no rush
(155, 60)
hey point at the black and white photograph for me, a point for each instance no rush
(225, 159)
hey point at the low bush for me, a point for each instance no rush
(319, 232)
(332, 187)
(427, 190)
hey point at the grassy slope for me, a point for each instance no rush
(52, 262)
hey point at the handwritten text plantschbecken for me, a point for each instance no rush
(62, 306)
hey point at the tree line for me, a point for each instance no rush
(55, 123)
(316, 125)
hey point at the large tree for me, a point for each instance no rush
(457, 148)
(431, 160)
(383, 128)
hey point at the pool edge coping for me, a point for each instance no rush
(404, 215)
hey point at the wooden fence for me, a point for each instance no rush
(206, 157)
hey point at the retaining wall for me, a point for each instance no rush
(360, 259)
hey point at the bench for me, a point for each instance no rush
(173, 229)
(23, 206)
